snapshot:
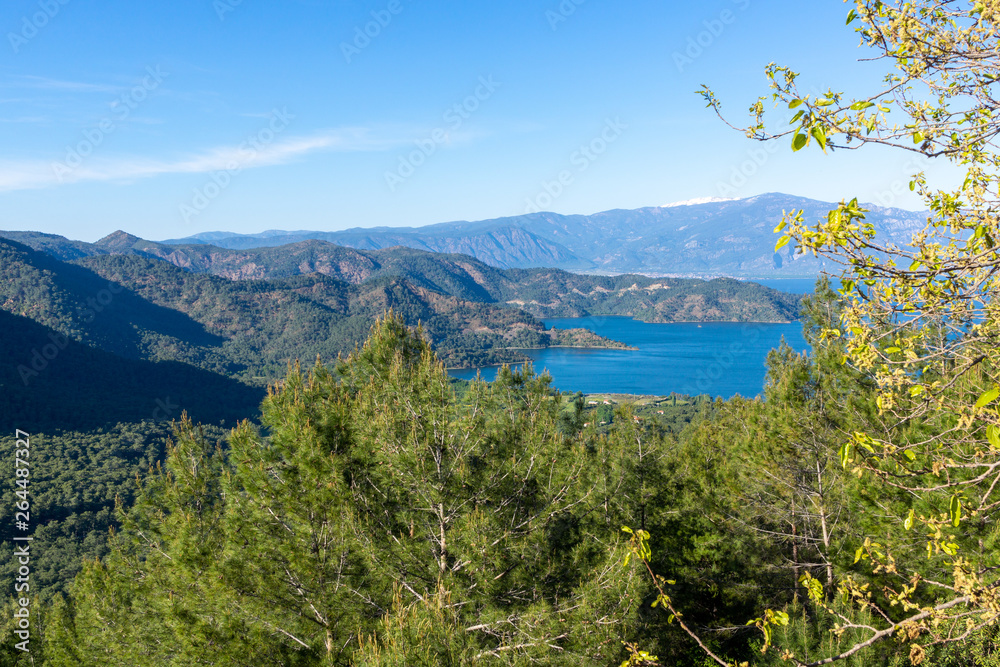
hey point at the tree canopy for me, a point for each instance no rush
(919, 323)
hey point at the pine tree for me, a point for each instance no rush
(372, 519)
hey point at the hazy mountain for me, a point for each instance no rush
(713, 238)
(501, 246)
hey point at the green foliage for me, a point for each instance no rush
(76, 480)
(917, 325)
(266, 324)
(379, 521)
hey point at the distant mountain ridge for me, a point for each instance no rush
(692, 238)
(541, 292)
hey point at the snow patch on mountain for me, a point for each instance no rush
(700, 200)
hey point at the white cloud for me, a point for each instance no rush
(39, 174)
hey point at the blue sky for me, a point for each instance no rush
(168, 119)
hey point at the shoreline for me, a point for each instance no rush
(577, 347)
(514, 363)
(672, 321)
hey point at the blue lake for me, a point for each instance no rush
(793, 285)
(720, 359)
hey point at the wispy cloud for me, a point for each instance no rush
(39, 174)
(45, 83)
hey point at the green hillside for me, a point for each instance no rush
(88, 308)
(51, 382)
(540, 292)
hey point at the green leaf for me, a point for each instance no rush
(858, 554)
(799, 142)
(782, 242)
(851, 16)
(918, 137)
(845, 454)
(891, 350)
(910, 456)
(780, 226)
(988, 397)
(819, 134)
(993, 435)
(794, 103)
(956, 511)
(861, 106)
(909, 521)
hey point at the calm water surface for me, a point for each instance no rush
(720, 359)
(793, 285)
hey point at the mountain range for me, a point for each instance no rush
(245, 314)
(699, 238)
(145, 324)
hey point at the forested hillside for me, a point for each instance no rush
(377, 517)
(78, 478)
(143, 308)
(52, 382)
(541, 292)
(371, 510)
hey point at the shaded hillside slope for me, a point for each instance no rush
(51, 383)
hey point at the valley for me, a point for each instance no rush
(249, 313)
